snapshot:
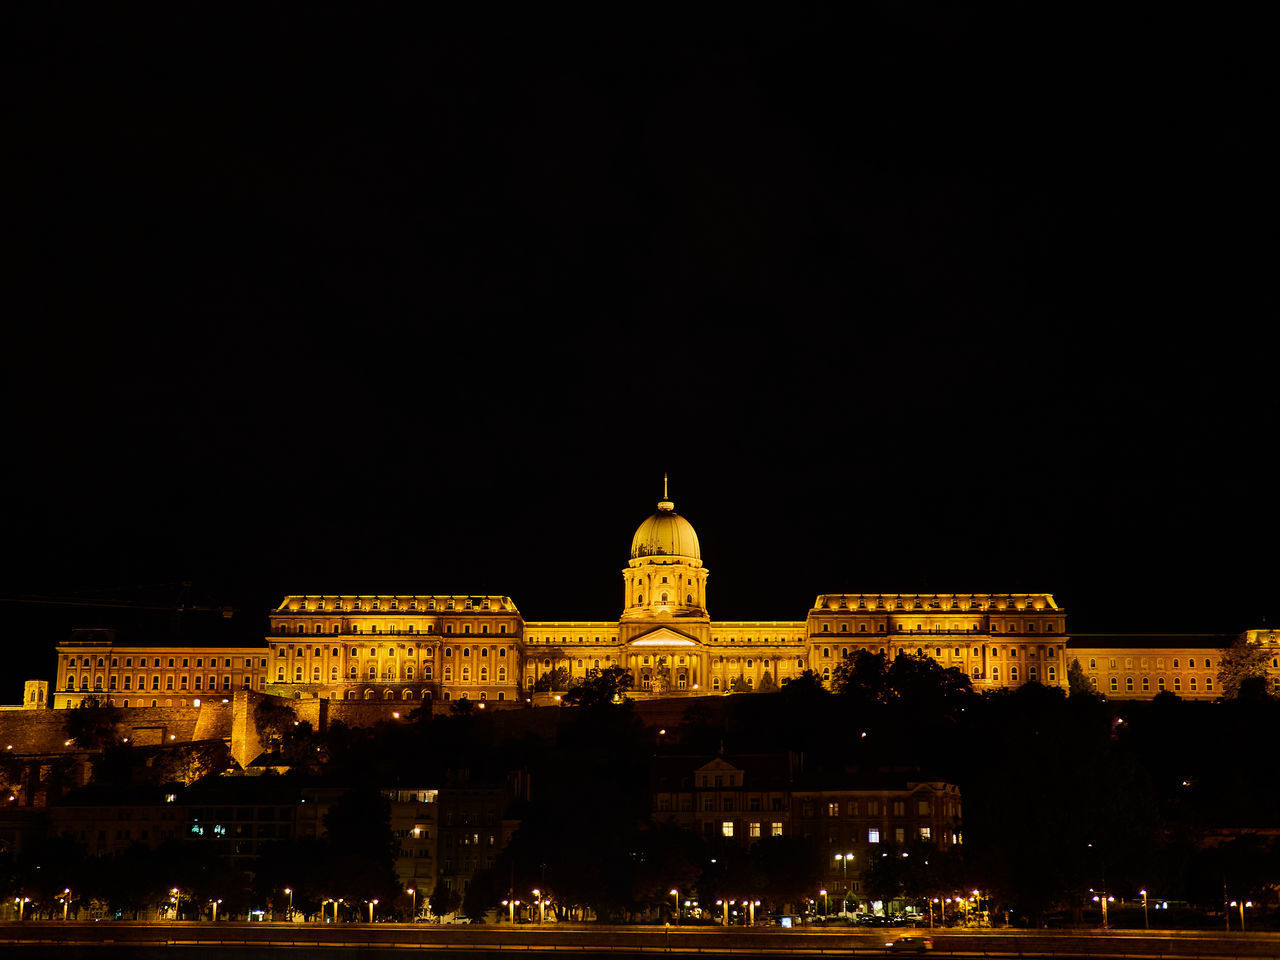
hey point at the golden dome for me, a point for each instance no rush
(665, 534)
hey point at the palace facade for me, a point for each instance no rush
(445, 647)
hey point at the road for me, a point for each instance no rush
(209, 941)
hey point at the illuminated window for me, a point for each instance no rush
(726, 828)
(1013, 674)
(1191, 684)
(775, 829)
(873, 835)
(1208, 684)
(1114, 685)
(1128, 684)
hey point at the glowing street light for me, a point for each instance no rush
(675, 898)
(1241, 904)
(1104, 900)
(177, 902)
(542, 907)
(65, 897)
(1145, 922)
(414, 909)
(23, 901)
(372, 904)
(215, 909)
(824, 902)
(511, 909)
(289, 891)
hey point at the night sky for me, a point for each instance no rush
(394, 298)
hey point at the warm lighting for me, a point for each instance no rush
(195, 703)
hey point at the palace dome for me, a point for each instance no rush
(665, 534)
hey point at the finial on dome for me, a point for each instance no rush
(665, 503)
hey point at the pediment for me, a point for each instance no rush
(663, 637)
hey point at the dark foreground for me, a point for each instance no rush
(205, 941)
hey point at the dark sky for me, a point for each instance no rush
(378, 298)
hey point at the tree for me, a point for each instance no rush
(556, 679)
(1077, 683)
(739, 685)
(602, 688)
(766, 683)
(93, 728)
(862, 675)
(1239, 663)
(444, 900)
(480, 897)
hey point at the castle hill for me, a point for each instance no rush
(956, 761)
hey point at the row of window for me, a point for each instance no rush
(142, 661)
(114, 682)
(935, 603)
(470, 603)
(1160, 684)
(939, 628)
(429, 653)
(392, 629)
(1012, 652)
(1128, 662)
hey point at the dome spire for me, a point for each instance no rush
(665, 503)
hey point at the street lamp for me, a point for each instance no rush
(824, 903)
(511, 909)
(1104, 900)
(1235, 903)
(66, 899)
(413, 910)
(537, 894)
(372, 904)
(675, 897)
(215, 909)
(1145, 921)
(177, 903)
(289, 891)
(21, 902)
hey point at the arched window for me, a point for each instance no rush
(373, 673)
(466, 651)
(484, 674)
(1013, 674)
(715, 683)
(688, 598)
(502, 674)
(388, 694)
(448, 674)
(1114, 685)
(297, 675)
(466, 674)
(408, 673)
(995, 674)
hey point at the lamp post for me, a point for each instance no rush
(675, 898)
(537, 894)
(1103, 899)
(1242, 904)
(177, 903)
(21, 902)
(372, 904)
(215, 909)
(511, 909)
(66, 899)
(724, 904)
(1146, 923)
(824, 903)
(289, 891)
(413, 909)
(751, 911)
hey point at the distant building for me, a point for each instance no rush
(432, 647)
(853, 817)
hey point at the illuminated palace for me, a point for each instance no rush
(428, 647)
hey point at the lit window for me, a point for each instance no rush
(873, 835)
(726, 828)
